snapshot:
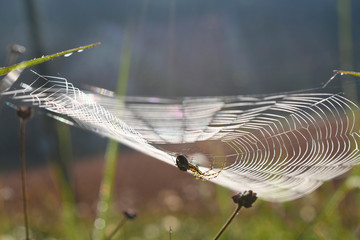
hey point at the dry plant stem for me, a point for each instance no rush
(170, 233)
(23, 176)
(112, 234)
(23, 114)
(228, 222)
(245, 199)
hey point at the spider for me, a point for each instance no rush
(183, 164)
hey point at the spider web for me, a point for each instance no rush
(280, 146)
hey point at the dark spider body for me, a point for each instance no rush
(182, 163)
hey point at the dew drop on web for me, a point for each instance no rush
(68, 54)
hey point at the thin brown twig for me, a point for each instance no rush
(23, 176)
(128, 215)
(112, 234)
(246, 200)
(228, 222)
(170, 233)
(23, 115)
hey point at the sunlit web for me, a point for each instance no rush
(281, 146)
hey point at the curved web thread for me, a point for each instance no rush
(280, 146)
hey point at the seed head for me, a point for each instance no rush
(17, 48)
(130, 214)
(245, 199)
(25, 113)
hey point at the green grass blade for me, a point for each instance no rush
(107, 186)
(71, 224)
(347, 73)
(37, 61)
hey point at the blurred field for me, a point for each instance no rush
(178, 48)
(163, 196)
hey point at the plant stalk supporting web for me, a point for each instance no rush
(37, 61)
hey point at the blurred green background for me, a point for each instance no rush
(168, 48)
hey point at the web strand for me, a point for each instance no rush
(281, 146)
